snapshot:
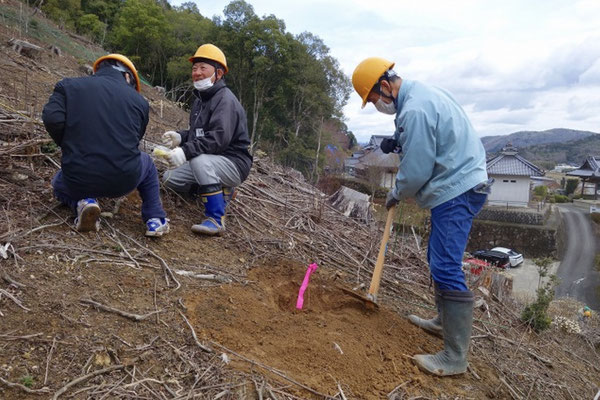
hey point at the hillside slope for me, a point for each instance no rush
(114, 314)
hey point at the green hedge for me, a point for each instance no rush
(559, 198)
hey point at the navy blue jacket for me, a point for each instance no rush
(98, 122)
(218, 126)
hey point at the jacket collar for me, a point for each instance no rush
(113, 73)
(404, 89)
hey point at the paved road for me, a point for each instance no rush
(526, 279)
(578, 277)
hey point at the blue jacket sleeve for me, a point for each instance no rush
(418, 141)
(54, 114)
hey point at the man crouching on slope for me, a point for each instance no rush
(211, 157)
(98, 121)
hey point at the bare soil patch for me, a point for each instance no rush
(334, 340)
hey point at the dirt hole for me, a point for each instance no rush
(333, 340)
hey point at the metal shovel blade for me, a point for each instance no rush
(367, 300)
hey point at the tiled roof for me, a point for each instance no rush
(590, 168)
(378, 158)
(512, 164)
(376, 139)
(349, 162)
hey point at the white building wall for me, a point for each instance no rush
(388, 179)
(510, 191)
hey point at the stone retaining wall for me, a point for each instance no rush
(532, 241)
(515, 216)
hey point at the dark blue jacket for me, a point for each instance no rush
(98, 122)
(218, 126)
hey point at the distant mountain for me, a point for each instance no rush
(520, 140)
(572, 152)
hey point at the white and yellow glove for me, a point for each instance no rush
(171, 139)
(176, 157)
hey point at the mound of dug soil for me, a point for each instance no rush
(334, 340)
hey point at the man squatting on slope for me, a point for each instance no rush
(98, 122)
(212, 156)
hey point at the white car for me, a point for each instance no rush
(515, 258)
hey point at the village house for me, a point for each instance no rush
(372, 164)
(512, 174)
(589, 173)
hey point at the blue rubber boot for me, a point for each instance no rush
(214, 224)
(229, 194)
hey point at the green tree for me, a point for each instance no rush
(259, 48)
(188, 30)
(142, 33)
(65, 12)
(105, 10)
(352, 140)
(541, 191)
(571, 185)
(536, 313)
(90, 24)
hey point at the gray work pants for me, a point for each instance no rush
(203, 170)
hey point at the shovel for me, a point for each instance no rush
(371, 298)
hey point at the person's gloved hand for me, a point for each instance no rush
(172, 139)
(176, 157)
(389, 145)
(390, 200)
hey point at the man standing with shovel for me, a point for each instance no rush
(443, 167)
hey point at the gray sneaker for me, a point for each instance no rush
(88, 214)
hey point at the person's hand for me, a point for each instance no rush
(389, 145)
(172, 139)
(390, 200)
(176, 157)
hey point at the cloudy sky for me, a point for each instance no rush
(514, 65)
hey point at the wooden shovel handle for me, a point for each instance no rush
(374, 288)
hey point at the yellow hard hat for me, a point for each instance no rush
(124, 60)
(210, 52)
(367, 73)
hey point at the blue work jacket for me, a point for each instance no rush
(442, 156)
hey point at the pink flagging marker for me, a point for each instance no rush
(300, 302)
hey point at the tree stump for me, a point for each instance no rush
(25, 48)
(496, 282)
(55, 50)
(352, 204)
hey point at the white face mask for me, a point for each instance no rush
(385, 108)
(204, 84)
